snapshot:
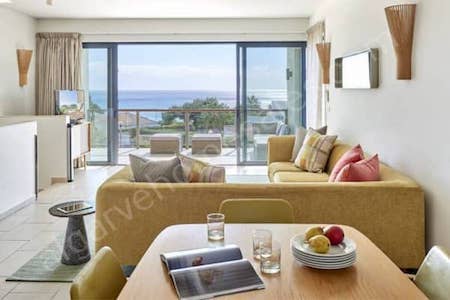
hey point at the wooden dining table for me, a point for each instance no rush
(373, 276)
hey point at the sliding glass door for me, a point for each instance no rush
(270, 95)
(246, 92)
(99, 74)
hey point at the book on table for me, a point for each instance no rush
(209, 272)
(74, 207)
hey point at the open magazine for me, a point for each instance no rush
(209, 272)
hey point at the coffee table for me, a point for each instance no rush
(374, 276)
(76, 246)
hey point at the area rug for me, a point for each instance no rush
(46, 266)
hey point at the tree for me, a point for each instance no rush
(253, 102)
(93, 109)
(99, 135)
(202, 120)
(254, 105)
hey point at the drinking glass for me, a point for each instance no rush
(261, 238)
(271, 262)
(216, 224)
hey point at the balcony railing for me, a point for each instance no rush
(137, 125)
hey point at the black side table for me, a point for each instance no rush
(76, 246)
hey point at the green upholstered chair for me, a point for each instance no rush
(101, 279)
(433, 276)
(257, 211)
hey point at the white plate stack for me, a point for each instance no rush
(338, 257)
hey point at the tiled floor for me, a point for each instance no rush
(29, 230)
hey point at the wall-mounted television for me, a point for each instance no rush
(358, 70)
(71, 103)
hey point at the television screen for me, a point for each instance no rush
(358, 71)
(70, 102)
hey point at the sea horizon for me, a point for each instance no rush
(164, 99)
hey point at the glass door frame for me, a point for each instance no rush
(112, 103)
(241, 91)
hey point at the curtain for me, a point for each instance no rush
(58, 67)
(315, 102)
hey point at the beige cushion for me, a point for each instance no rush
(300, 134)
(282, 167)
(147, 170)
(338, 150)
(300, 177)
(313, 155)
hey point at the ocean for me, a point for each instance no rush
(165, 99)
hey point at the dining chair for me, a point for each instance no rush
(257, 211)
(101, 278)
(433, 276)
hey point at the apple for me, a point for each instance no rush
(335, 234)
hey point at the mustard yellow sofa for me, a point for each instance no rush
(391, 212)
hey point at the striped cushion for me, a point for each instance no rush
(198, 171)
(316, 149)
(213, 174)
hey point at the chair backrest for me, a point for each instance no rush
(433, 276)
(257, 211)
(101, 278)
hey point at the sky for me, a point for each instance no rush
(188, 67)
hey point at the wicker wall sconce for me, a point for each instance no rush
(401, 19)
(23, 60)
(324, 52)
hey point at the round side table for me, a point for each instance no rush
(76, 246)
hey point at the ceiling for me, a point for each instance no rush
(166, 8)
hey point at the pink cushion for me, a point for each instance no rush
(364, 170)
(351, 156)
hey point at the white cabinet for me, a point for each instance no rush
(18, 161)
(59, 143)
(80, 145)
(80, 140)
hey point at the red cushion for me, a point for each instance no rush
(351, 156)
(364, 170)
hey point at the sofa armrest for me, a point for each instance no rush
(279, 148)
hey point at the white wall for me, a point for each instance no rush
(93, 30)
(16, 31)
(406, 122)
(17, 161)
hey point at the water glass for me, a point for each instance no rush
(271, 263)
(216, 224)
(261, 238)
